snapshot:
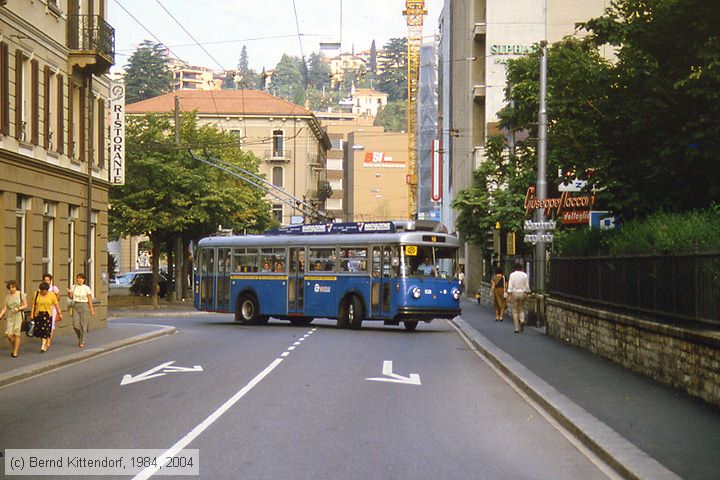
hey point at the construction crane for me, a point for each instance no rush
(414, 11)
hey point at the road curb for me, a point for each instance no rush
(49, 365)
(628, 460)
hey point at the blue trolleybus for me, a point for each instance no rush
(368, 271)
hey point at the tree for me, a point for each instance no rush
(147, 73)
(246, 76)
(318, 71)
(661, 113)
(168, 193)
(287, 80)
(393, 79)
(373, 60)
(318, 100)
(393, 116)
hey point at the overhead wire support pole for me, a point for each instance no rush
(541, 186)
(414, 11)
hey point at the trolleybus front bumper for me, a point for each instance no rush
(421, 313)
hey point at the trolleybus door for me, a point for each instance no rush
(206, 278)
(224, 270)
(296, 276)
(381, 280)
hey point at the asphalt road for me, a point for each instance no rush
(279, 401)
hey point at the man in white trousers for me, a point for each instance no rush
(518, 290)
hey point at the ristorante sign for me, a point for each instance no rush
(571, 208)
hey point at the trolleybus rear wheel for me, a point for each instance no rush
(351, 313)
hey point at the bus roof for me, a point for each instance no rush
(402, 238)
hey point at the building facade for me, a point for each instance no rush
(477, 37)
(375, 176)
(54, 57)
(286, 137)
(188, 77)
(367, 102)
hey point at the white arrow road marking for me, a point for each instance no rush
(413, 379)
(166, 367)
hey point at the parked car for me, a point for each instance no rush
(140, 282)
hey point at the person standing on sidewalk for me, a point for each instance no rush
(497, 291)
(15, 303)
(47, 278)
(518, 290)
(81, 298)
(43, 305)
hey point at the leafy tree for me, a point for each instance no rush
(287, 80)
(168, 193)
(147, 73)
(392, 117)
(228, 81)
(318, 71)
(661, 114)
(318, 100)
(393, 79)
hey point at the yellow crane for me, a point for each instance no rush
(414, 11)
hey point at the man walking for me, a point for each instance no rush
(518, 290)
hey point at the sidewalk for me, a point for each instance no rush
(65, 351)
(642, 428)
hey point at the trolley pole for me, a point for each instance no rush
(541, 186)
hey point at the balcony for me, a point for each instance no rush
(91, 41)
(278, 156)
(479, 92)
(479, 30)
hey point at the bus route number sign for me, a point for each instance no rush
(411, 250)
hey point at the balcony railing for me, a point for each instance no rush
(91, 36)
(278, 155)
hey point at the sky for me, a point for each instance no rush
(267, 27)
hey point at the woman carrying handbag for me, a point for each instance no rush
(15, 303)
(42, 312)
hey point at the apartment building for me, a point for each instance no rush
(477, 37)
(375, 176)
(54, 57)
(189, 77)
(286, 137)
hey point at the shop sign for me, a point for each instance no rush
(117, 133)
(564, 203)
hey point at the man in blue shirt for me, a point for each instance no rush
(426, 268)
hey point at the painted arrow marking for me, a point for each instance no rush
(166, 367)
(413, 379)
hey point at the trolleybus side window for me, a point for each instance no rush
(245, 260)
(207, 277)
(353, 259)
(321, 260)
(272, 260)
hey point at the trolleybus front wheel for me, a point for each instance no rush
(247, 310)
(410, 325)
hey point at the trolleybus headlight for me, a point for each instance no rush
(456, 293)
(416, 292)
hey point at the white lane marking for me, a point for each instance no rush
(597, 461)
(413, 379)
(285, 354)
(296, 343)
(195, 432)
(291, 348)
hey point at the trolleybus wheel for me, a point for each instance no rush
(410, 325)
(301, 321)
(247, 310)
(351, 313)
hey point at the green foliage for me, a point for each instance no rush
(661, 232)
(288, 81)
(147, 74)
(320, 101)
(497, 193)
(318, 71)
(393, 116)
(246, 77)
(167, 192)
(393, 79)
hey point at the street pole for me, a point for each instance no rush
(541, 186)
(176, 293)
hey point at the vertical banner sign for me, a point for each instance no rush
(436, 171)
(117, 133)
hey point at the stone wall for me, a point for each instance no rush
(679, 357)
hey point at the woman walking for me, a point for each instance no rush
(15, 303)
(81, 297)
(497, 289)
(43, 305)
(47, 278)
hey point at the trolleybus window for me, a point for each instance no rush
(245, 260)
(353, 259)
(321, 260)
(272, 259)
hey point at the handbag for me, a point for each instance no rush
(30, 328)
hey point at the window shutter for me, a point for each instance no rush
(18, 94)
(4, 89)
(46, 107)
(35, 101)
(60, 130)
